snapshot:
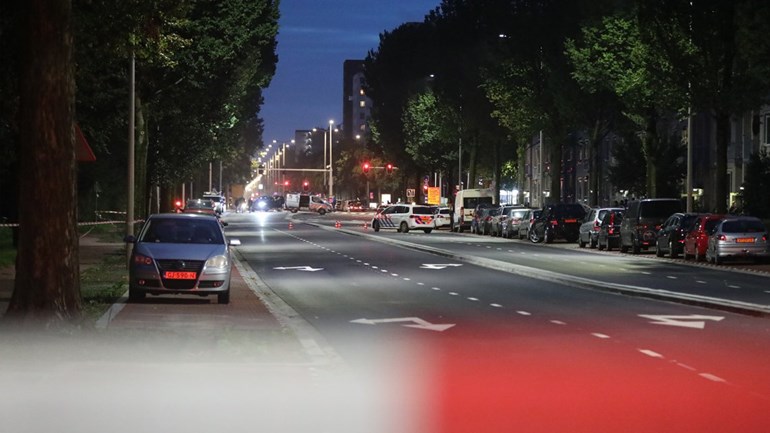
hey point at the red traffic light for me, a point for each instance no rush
(285, 183)
(389, 168)
(366, 167)
(306, 185)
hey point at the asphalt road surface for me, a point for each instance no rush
(491, 335)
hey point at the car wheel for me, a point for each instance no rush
(609, 245)
(581, 244)
(322, 211)
(672, 250)
(404, 227)
(224, 297)
(427, 230)
(135, 295)
(376, 226)
(599, 246)
(635, 249)
(548, 237)
(658, 252)
(533, 237)
(718, 260)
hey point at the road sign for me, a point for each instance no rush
(410, 192)
(434, 195)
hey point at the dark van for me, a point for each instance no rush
(642, 221)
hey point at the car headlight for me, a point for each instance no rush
(142, 260)
(217, 262)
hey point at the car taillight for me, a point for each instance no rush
(611, 231)
(764, 238)
(554, 223)
(142, 260)
(641, 227)
(722, 238)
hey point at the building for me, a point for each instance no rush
(356, 106)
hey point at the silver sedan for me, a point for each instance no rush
(738, 237)
(180, 254)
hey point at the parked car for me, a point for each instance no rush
(516, 221)
(441, 214)
(526, 226)
(696, 240)
(589, 230)
(477, 217)
(201, 206)
(738, 237)
(405, 217)
(354, 206)
(609, 230)
(180, 253)
(485, 223)
(558, 221)
(643, 219)
(670, 237)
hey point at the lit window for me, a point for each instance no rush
(362, 104)
(361, 91)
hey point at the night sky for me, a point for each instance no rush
(315, 38)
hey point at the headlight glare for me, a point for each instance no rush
(217, 262)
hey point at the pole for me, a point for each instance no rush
(331, 159)
(541, 175)
(460, 164)
(689, 160)
(324, 165)
(131, 146)
(210, 169)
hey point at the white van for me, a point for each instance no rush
(466, 201)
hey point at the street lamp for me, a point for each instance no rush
(331, 159)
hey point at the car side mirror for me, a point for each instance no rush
(234, 242)
(129, 239)
(224, 224)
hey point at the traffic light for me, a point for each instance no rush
(389, 168)
(306, 186)
(366, 167)
(261, 169)
(285, 183)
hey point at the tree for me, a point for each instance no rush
(718, 55)
(755, 200)
(48, 234)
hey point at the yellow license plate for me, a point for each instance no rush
(745, 240)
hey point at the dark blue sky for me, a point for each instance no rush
(315, 38)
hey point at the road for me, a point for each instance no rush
(501, 335)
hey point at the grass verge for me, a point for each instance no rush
(102, 284)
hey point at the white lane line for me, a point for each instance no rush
(646, 273)
(711, 377)
(384, 271)
(602, 336)
(473, 299)
(366, 264)
(700, 281)
(436, 289)
(375, 267)
(358, 261)
(558, 322)
(685, 366)
(671, 277)
(651, 353)
(767, 291)
(732, 286)
(454, 294)
(420, 284)
(395, 275)
(407, 279)
(496, 305)
(499, 249)
(524, 313)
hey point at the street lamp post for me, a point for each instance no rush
(331, 159)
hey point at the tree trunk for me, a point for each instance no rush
(720, 197)
(555, 154)
(521, 173)
(47, 289)
(650, 149)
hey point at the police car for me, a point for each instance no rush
(405, 217)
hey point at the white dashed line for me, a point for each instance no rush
(385, 271)
(394, 275)
(453, 293)
(524, 313)
(685, 366)
(602, 336)
(646, 273)
(496, 305)
(473, 299)
(711, 377)
(420, 284)
(671, 277)
(651, 353)
(407, 279)
(732, 286)
(700, 281)
(436, 289)
(558, 322)
(375, 267)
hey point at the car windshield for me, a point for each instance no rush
(200, 204)
(743, 226)
(472, 202)
(181, 231)
(422, 210)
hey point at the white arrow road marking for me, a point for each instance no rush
(440, 265)
(298, 268)
(690, 321)
(418, 323)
